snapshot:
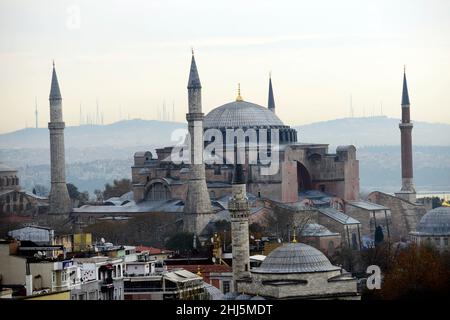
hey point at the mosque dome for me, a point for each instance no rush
(241, 114)
(435, 222)
(295, 258)
(243, 296)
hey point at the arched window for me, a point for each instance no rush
(158, 191)
(354, 242)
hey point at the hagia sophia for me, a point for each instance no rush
(311, 181)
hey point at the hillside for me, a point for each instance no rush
(98, 154)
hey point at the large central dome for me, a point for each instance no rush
(241, 114)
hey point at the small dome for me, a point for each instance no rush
(257, 298)
(230, 295)
(295, 258)
(435, 222)
(241, 114)
(243, 297)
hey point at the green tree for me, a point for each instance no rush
(74, 194)
(181, 242)
(78, 198)
(118, 188)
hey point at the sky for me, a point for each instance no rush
(131, 57)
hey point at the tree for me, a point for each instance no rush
(98, 195)
(41, 190)
(117, 189)
(419, 271)
(181, 242)
(78, 198)
(74, 194)
(379, 236)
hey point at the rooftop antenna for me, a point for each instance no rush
(36, 112)
(173, 111)
(81, 116)
(97, 117)
(164, 111)
(351, 105)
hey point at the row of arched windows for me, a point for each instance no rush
(9, 181)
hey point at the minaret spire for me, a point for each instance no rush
(55, 93)
(407, 191)
(60, 203)
(194, 79)
(271, 100)
(405, 95)
(197, 207)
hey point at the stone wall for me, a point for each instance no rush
(405, 215)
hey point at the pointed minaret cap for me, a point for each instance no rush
(238, 174)
(194, 79)
(55, 93)
(405, 95)
(271, 100)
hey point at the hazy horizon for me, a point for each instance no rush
(131, 56)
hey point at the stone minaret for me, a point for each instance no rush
(59, 196)
(271, 100)
(407, 191)
(239, 212)
(197, 207)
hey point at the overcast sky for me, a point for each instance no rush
(134, 55)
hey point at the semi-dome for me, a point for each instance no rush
(435, 222)
(241, 114)
(295, 258)
(5, 168)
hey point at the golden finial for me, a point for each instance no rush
(198, 271)
(192, 50)
(239, 98)
(404, 68)
(294, 240)
(53, 63)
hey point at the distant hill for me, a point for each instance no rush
(98, 154)
(369, 131)
(119, 134)
(372, 131)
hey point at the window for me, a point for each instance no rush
(437, 241)
(446, 241)
(354, 242)
(54, 279)
(21, 197)
(15, 197)
(225, 287)
(8, 198)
